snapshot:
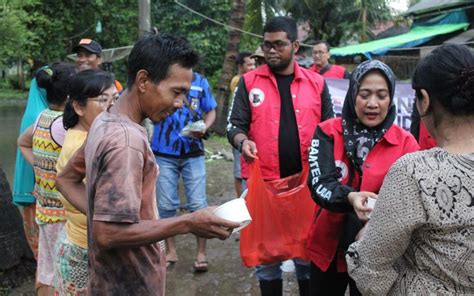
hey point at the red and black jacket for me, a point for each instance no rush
(256, 112)
(329, 173)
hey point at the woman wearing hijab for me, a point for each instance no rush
(348, 160)
(420, 240)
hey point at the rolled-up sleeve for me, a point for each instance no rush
(398, 212)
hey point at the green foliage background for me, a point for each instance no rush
(208, 38)
(45, 31)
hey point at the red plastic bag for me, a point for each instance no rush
(282, 212)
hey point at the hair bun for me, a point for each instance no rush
(464, 99)
(467, 83)
(467, 72)
(44, 77)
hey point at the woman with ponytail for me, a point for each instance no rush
(90, 93)
(41, 144)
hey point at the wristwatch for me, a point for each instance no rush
(240, 145)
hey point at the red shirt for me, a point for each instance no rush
(334, 71)
(330, 187)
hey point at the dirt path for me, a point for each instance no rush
(226, 275)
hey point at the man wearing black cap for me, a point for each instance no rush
(89, 54)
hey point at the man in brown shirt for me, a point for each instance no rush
(123, 227)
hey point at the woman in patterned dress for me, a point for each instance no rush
(420, 239)
(41, 144)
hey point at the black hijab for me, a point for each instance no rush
(358, 138)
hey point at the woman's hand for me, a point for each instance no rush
(25, 143)
(358, 200)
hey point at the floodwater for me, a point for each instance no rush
(10, 118)
(226, 275)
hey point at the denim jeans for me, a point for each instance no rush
(236, 166)
(193, 172)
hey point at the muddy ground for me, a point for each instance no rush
(226, 275)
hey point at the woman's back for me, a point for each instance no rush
(425, 217)
(440, 250)
(76, 222)
(47, 140)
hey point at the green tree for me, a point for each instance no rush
(339, 21)
(59, 25)
(208, 38)
(257, 13)
(14, 34)
(228, 68)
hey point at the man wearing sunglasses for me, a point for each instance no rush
(275, 111)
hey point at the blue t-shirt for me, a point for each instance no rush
(167, 140)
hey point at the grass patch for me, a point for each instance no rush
(222, 140)
(13, 94)
(216, 143)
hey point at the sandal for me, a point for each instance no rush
(200, 266)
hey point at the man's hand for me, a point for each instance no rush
(358, 200)
(198, 134)
(203, 223)
(249, 150)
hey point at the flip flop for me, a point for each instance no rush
(200, 266)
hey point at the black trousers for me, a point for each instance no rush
(330, 282)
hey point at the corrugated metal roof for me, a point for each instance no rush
(427, 6)
(462, 38)
(417, 35)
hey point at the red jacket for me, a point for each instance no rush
(329, 185)
(334, 71)
(306, 90)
